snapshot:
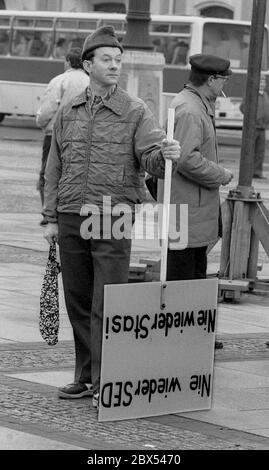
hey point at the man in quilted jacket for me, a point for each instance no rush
(102, 144)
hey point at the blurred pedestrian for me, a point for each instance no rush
(262, 123)
(37, 47)
(102, 143)
(180, 54)
(60, 48)
(60, 90)
(22, 48)
(199, 174)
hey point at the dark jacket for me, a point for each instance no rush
(101, 154)
(262, 111)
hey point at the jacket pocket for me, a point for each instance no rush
(106, 174)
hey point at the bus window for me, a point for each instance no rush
(230, 41)
(4, 35)
(180, 53)
(174, 49)
(71, 33)
(117, 25)
(180, 29)
(64, 41)
(90, 25)
(21, 45)
(39, 44)
(4, 42)
(29, 39)
(159, 27)
(172, 39)
(60, 49)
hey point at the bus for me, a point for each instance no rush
(33, 46)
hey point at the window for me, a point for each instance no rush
(71, 33)
(217, 12)
(119, 26)
(4, 35)
(32, 37)
(174, 49)
(65, 40)
(173, 40)
(114, 7)
(232, 42)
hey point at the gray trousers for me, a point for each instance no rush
(87, 265)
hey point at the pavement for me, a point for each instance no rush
(31, 415)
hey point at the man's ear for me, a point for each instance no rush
(87, 66)
(210, 80)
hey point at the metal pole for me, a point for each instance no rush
(138, 18)
(252, 89)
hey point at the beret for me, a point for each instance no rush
(210, 64)
(102, 37)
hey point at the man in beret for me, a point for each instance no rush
(199, 175)
(102, 144)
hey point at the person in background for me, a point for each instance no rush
(37, 47)
(4, 43)
(180, 54)
(22, 48)
(60, 48)
(199, 174)
(60, 90)
(262, 123)
(102, 144)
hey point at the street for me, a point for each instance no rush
(31, 416)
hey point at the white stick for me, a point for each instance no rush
(166, 198)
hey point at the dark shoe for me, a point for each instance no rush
(218, 345)
(75, 390)
(95, 400)
(43, 221)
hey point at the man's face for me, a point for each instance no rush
(105, 67)
(217, 84)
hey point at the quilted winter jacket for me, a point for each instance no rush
(198, 177)
(101, 154)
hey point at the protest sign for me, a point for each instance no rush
(157, 361)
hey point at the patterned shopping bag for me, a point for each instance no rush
(49, 300)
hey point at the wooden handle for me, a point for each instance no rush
(166, 198)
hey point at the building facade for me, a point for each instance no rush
(236, 9)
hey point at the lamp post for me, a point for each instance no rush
(138, 19)
(142, 71)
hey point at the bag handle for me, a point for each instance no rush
(52, 257)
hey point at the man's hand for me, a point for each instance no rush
(227, 177)
(171, 149)
(51, 233)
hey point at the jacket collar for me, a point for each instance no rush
(210, 108)
(116, 102)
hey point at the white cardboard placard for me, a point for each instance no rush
(155, 361)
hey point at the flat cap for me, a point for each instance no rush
(102, 37)
(210, 64)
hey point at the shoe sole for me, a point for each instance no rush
(71, 396)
